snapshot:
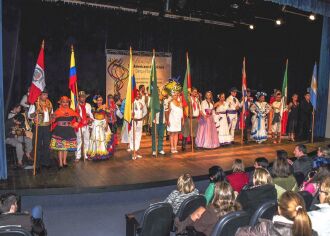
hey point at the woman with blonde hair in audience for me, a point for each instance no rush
(261, 191)
(204, 219)
(292, 220)
(239, 178)
(185, 189)
(320, 218)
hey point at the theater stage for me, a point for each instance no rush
(122, 173)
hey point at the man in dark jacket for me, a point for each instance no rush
(305, 118)
(303, 164)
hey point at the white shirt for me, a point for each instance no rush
(88, 108)
(23, 102)
(32, 110)
(140, 109)
(232, 103)
(276, 106)
(321, 219)
(206, 105)
(195, 102)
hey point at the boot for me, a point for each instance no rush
(184, 141)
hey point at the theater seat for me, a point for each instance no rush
(13, 231)
(265, 210)
(308, 199)
(156, 220)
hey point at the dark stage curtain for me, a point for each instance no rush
(3, 159)
(322, 8)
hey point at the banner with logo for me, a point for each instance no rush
(117, 69)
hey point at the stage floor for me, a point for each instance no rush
(122, 173)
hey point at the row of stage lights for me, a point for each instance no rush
(279, 21)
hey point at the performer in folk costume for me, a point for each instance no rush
(100, 145)
(146, 99)
(40, 113)
(64, 122)
(83, 134)
(293, 109)
(233, 107)
(124, 128)
(135, 133)
(196, 108)
(271, 112)
(277, 119)
(174, 120)
(259, 109)
(112, 117)
(247, 116)
(207, 136)
(160, 122)
(221, 121)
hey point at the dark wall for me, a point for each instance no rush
(216, 52)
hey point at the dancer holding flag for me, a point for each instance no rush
(192, 110)
(40, 111)
(157, 112)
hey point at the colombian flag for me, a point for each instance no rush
(73, 81)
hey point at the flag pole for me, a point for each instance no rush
(36, 138)
(313, 123)
(243, 110)
(156, 138)
(190, 113)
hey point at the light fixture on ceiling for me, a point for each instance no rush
(278, 22)
(251, 27)
(312, 17)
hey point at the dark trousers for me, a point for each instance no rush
(160, 135)
(304, 129)
(43, 150)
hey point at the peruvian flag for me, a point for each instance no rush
(38, 82)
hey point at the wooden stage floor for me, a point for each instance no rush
(122, 173)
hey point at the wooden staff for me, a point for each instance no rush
(80, 129)
(134, 152)
(36, 138)
(313, 120)
(156, 138)
(191, 129)
(243, 121)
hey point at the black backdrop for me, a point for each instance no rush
(216, 52)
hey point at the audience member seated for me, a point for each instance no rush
(185, 189)
(261, 191)
(303, 164)
(10, 217)
(282, 174)
(239, 178)
(216, 175)
(16, 110)
(314, 179)
(321, 218)
(322, 158)
(259, 162)
(203, 219)
(15, 136)
(291, 221)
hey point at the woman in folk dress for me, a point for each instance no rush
(220, 119)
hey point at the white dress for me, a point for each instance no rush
(259, 112)
(175, 116)
(221, 123)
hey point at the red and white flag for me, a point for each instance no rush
(38, 82)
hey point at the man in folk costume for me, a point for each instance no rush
(233, 107)
(83, 134)
(196, 109)
(40, 113)
(160, 126)
(276, 121)
(146, 98)
(135, 133)
(247, 116)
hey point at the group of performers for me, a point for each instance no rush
(91, 131)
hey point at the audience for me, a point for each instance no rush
(185, 189)
(291, 221)
(216, 174)
(303, 164)
(261, 191)
(282, 174)
(322, 158)
(203, 219)
(239, 178)
(259, 162)
(314, 179)
(11, 217)
(321, 218)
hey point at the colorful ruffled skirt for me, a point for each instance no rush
(60, 144)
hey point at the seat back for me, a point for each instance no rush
(189, 205)
(308, 199)
(13, 231)
(266, 211)
(300, 177)
(228, 225)
(157, 220)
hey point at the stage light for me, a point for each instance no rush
(251, 27)
(278, 22)
(311, 17)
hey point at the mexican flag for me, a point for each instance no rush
(186, 84)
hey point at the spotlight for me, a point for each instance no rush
(311, 17)
(251, 27)
(278, 22)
